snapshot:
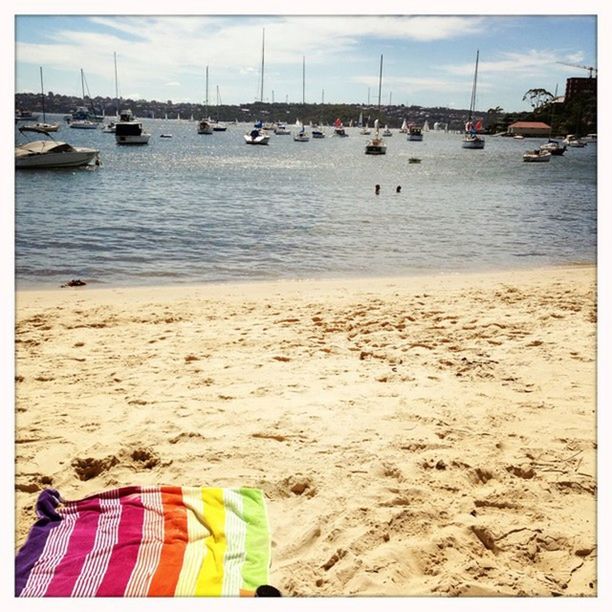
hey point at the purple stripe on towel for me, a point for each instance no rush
(48, 519)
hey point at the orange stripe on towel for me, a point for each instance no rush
(175, 542)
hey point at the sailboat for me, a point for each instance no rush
(376, 146)
(300, 136)
(404, 128)
(553, 146)
(110, 127)
(83, 118)
(365, 130)
(471, 139)
(44, 126)
(217, 125)
(204, 125)
(339, 128)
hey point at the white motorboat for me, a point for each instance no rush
(53, 154)
(376, 146)
(281, 130)
(205, 127)
(83, 124)
(25, 115)
(518, 137)
(257, 137)
(553, 147)
(109, 128)
(573, 141)
(415, 134)
(219, 127)
(537, 155)
(128, 131)
(471, 139)
(318, 133)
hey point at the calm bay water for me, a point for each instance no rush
(198, 208)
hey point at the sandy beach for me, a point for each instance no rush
(428, 435)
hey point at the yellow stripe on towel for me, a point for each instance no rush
(210, 579)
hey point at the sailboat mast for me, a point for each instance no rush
(380, 81)
(473, 100)
(303, 79)
(263, 46)
(116, 86)
(206, 101)
(83, 84)
(42, 96)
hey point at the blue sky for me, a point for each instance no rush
(428, 60)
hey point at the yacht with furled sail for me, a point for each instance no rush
(205, 124)
(217, 125)
(471, 139)
(44, 126)
(109, 128)
(129, 131)
(301, 135)
(376, 146)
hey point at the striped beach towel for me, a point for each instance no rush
(149, 541)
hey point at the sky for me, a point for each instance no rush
(427, 60)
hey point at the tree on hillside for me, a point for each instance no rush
(538, 98)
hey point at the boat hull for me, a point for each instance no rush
(544, 157)
(132, 139)
(477, 143)
(376, 150)
(68, 159)
(259, 140)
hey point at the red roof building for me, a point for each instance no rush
(529, 128)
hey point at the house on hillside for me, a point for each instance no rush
(529, 128)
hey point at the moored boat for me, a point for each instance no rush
(53, 154)
(537, 155)
(205, 127)
(128, 131)
(573, 141)
(257, 136)
(471, 139)
(415, 133)
(376, 146)
(339, 128)
(553, 147)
